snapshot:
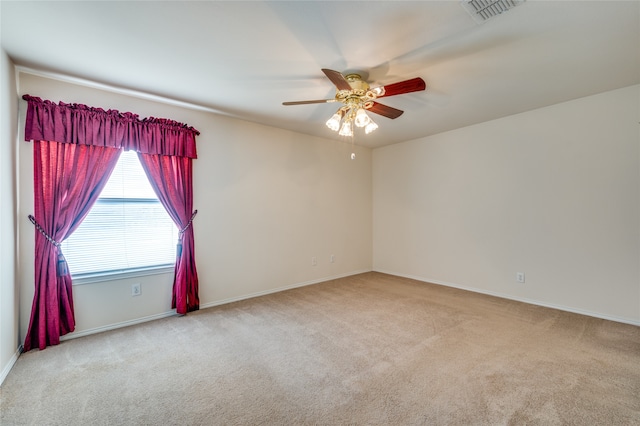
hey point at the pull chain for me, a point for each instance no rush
(353, 154)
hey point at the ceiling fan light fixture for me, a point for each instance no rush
(334, 122)
(362, 119)
(358, 97)
(346, 129)
(370, 127)
(378, 91)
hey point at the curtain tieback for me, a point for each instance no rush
(182, 231)
(61, 266)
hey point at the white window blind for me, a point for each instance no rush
(127, 228)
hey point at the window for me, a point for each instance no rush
(127, 229)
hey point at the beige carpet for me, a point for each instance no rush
(371, 349)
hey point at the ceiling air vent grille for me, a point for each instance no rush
(483, 10)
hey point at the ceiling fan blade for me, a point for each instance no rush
(385, 110)
(318, 101)
(414, 85)
(337, 79)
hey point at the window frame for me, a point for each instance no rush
(97, 277)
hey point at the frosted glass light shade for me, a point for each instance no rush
(334, 122)
(346, 129)
(362, 119)
(370, 127)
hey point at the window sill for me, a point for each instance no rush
(121, 275)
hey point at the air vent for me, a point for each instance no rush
(483, 10)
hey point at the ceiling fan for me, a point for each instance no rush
(358, 97)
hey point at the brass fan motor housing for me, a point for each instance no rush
(357, 83)
(359, 96)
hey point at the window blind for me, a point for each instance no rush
(127, 228)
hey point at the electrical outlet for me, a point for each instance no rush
(136, 290)
(332, 258)
(520, 277)
(314, 261)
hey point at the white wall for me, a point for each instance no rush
(9, 340)
(268, 200)
(553, 193)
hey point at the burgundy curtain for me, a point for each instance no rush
(171, 179)
(68, 179)
(76, 148)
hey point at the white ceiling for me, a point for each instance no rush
(243, 59)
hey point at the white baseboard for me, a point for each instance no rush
(172, 312)
(517, 299)
(10, 364)
(279, 289)
(115, 326)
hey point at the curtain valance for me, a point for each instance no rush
(84, 125)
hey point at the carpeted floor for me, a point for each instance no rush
(371, 349)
